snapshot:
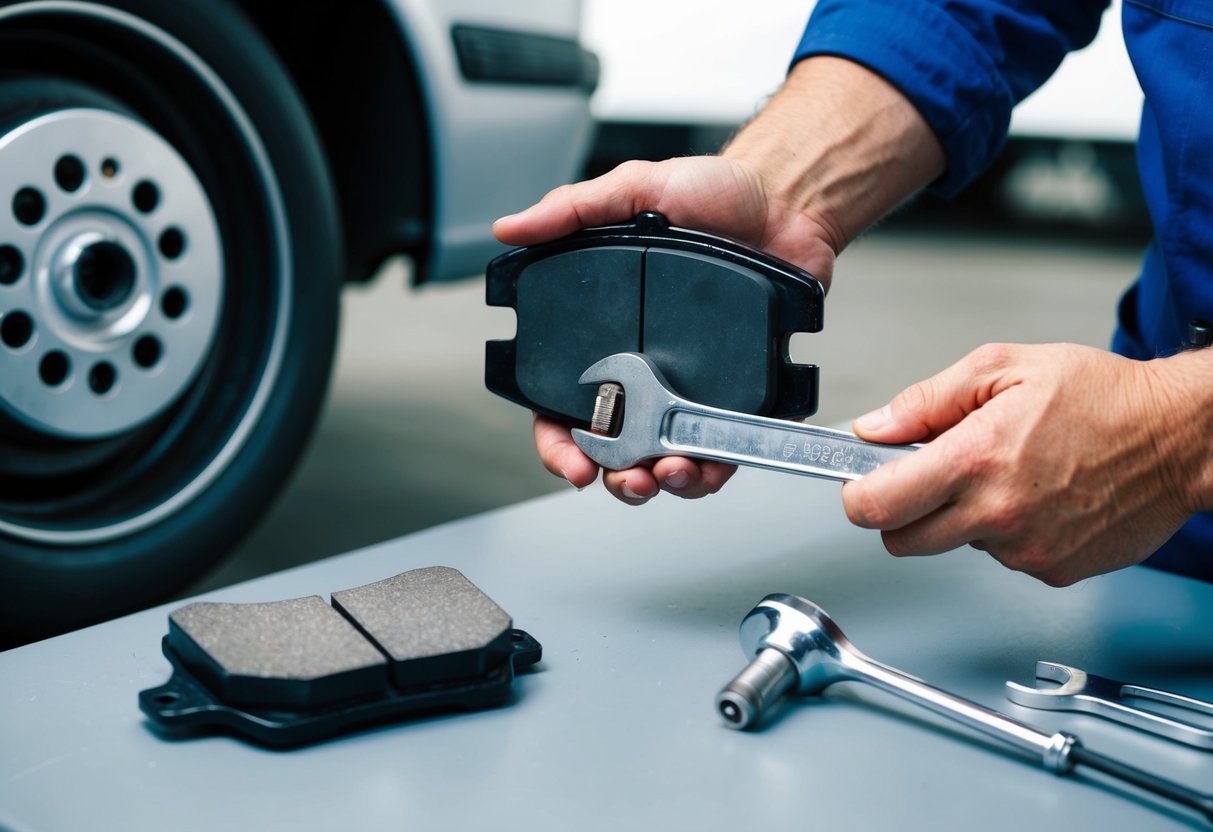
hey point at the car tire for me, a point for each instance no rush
(169, 284)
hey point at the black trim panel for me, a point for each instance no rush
(508, 57)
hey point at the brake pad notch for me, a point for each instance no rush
(715, 315)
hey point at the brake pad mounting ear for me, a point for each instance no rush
(714, 314)
(290, 672)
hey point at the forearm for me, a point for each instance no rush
(839, 144)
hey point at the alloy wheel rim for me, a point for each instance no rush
(269, 192)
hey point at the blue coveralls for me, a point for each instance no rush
(965, 63)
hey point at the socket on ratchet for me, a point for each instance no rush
(795, 647)
(647, 419)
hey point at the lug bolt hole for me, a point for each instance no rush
(147, 351)
(11, 265)
(54, 367)
(174, 303)
(101, 377)
(69, 173)
(172, 242)
(29, 206)
(110, 167)
(145, 196)
(16, 328)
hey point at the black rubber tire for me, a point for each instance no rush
(50, 587)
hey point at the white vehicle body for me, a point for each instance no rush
(497, 148)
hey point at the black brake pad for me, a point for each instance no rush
(715, 315)
(290, 672)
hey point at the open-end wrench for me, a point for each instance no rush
(651, 420)
(795, 647)
(1110, 699)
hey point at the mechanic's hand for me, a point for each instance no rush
(1061, 461)
(707, 193)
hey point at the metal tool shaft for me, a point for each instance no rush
(774, 444)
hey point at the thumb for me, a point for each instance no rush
(924, 410)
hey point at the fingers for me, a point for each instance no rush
(613, 197)
(682, 477)
(905, 492)
(928, 408)
(560, 455)
(691, 479)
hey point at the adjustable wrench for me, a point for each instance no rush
(652, 421)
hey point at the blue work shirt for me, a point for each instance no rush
(966, 63)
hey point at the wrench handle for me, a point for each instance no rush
(774, 444)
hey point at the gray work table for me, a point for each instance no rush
(637, 611)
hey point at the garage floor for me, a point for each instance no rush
(410, 438)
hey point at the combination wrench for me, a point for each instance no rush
(637, 416)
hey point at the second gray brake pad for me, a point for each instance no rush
(432, 624)
(289, 672)
(715, 315)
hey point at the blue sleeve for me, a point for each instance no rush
(963, 63)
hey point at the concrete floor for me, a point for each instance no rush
(410, 438)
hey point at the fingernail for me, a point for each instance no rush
(876, 419)
(677, 479)
(570, 482)
(506, 217)
(629, 493)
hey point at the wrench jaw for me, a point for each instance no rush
(604, 450)
(634, 441)
(1071, 681)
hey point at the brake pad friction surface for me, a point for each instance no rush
(285, 673)
(714, 314)
(298, 652)
(434, 624)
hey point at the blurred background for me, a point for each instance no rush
(1039, 250)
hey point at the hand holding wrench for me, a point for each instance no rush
(658, 422)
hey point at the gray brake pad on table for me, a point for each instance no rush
(298, 670)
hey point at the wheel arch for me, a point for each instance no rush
(361, 81)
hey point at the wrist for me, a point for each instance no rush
(1184, 394)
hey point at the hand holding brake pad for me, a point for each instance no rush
(715, 315)
(290, 672)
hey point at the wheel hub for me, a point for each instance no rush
(111, 277)
(95, 275)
